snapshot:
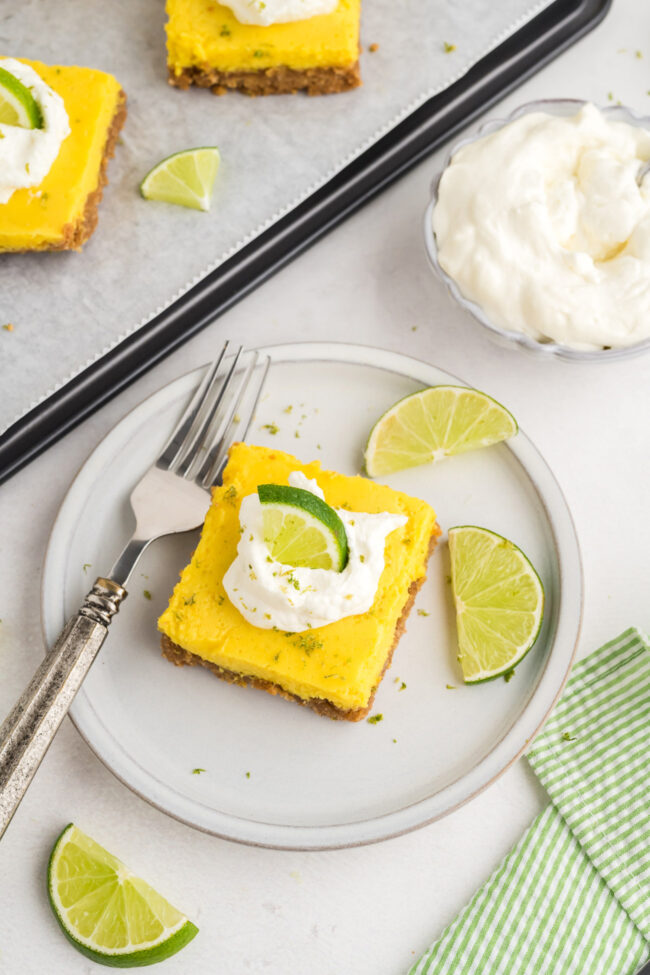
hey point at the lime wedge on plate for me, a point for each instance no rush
(17, 104)
(108, 914)
(433, 424)
(499, 602)
(186, 178)
(300, 529)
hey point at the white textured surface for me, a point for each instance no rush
(370, 910)
(274, 154)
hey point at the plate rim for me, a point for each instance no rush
(361, 832)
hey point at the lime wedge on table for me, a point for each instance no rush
(499, 602)
(186, 178)
(109, 914)
(17, 104)
(433, 424)
(302, 530)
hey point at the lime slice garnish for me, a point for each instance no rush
(106, 912)
(433, 424)
(499, 602)
(302, 530)
(17, 104)
(186, 178)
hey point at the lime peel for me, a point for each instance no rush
(434, 423)
(302, 530)
(185, 178)
(499, 600)
(17, 104)
(105, 911)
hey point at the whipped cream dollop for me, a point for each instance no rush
(26, 155)
(542, 224)
(270, 594)
(263, 13)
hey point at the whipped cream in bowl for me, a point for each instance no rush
(265, 13)
(271, 595)
(538, 227)
(27, 155)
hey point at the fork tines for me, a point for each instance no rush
(221, 409)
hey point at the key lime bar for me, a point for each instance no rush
(333, 669)
(209, 47)
(61, 213)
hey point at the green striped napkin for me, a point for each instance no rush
(573, 897)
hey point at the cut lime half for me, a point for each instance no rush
(106, 912)
(17, 104)
(186, 178)
(300, 529)
(433, 424)
(499, 602)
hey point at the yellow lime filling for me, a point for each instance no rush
(37, 216)
(204, 34)
(341, 662)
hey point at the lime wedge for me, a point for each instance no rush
(433, 424)
(302, 530)
(106, 912)
(186, 178)
(17, 104)
(499, 602)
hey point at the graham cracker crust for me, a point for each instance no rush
(74, 235)
(181, 657)
(270, 81)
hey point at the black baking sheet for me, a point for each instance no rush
(530, 48)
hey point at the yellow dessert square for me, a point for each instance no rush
(335, 668)
(61, 213)
(208, 46)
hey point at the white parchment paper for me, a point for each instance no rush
(69, 309)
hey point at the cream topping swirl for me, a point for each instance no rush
(269, 594)
(543, 224)
(27, 155)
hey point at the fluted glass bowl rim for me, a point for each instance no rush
(503, 336)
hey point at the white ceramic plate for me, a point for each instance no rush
(313, 783)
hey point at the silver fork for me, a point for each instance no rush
(173, 496)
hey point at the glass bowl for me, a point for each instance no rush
(504, 336)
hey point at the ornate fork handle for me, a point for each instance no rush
(27, 732)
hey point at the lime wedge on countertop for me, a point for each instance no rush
(106, 912)
(435, 423)
(17, 104)
(499, 602)
(300, 529)
(186, 178)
